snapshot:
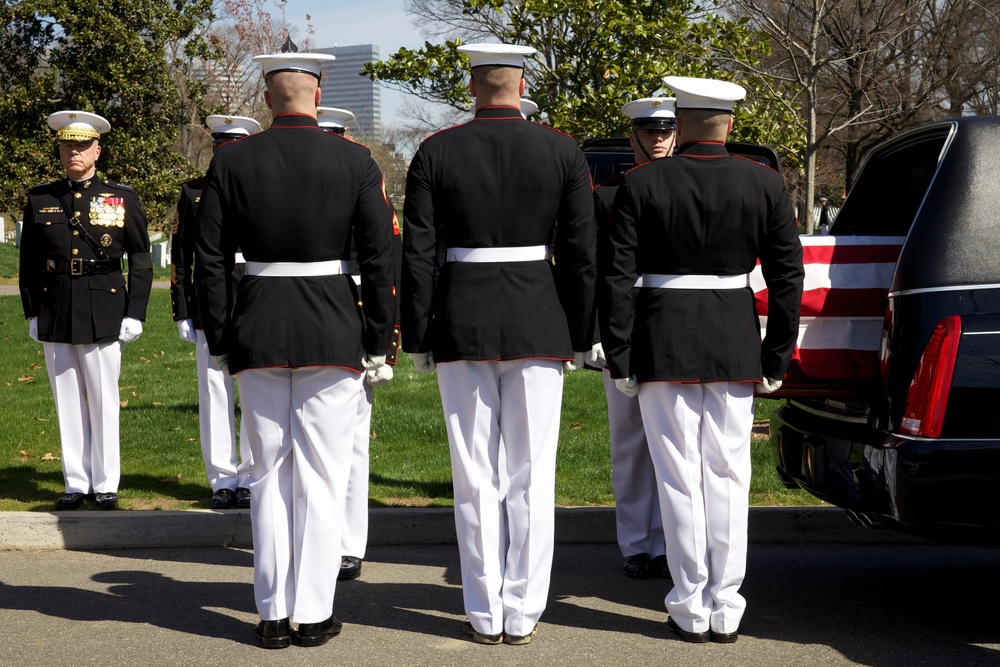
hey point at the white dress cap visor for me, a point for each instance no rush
(528, 108)
(236, 125)
(78, 125)
(502, 55)
(332, 116)
(310, 63)
(649, 107)
(695, 93)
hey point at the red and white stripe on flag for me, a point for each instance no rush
(844, 299)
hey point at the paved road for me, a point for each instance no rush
(809, 604)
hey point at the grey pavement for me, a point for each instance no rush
(809, 604)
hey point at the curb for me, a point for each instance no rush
(95, 530)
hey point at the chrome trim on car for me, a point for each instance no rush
(949, 288)
(822, 413)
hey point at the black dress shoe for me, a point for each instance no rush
(693, 637)
(724, 637)
(275, 634)
(106, 501)
(243, 498)
(636, 566)
(316, 634)
(70, 501)
(658, 567)
(350, 568)
(223, 499)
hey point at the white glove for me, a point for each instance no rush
(595, 358)
(577, 363)
(423, 361)
(628, 386)
(221, 361)
(131, 329)
(769, 386)
(379, 376)
(186, 330)
(370, 363)
(33, 328)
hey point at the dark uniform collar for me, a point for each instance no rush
(499, 112)
(76, 186)
(703, 149)
(294, 120)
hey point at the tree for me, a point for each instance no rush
(108, 57)
(593, 56)
(863, 70)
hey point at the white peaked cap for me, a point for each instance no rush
(695, 93)
(528, 107)
(503, 55)
(78, 125)
(237, 125)
(333, 117)
(310, 63)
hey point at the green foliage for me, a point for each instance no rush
(595, 55)
(104, 56)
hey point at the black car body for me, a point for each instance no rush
(916, 446)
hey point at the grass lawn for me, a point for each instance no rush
(161, 459)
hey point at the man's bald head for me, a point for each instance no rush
(292, 92)
(497, 86)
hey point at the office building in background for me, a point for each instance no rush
(343, 88)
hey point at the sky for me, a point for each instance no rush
(384, 23)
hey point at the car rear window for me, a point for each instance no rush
(891, 186)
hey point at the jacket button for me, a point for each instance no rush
(77, 195)
(113, 290)
(76, 251)
(76, 233)
(48, 224)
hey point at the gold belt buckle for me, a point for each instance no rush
(76, 267)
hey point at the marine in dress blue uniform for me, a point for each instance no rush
(498, 278)
(301, 336)
(637, 508)
(688, 340)
(354, 539)
(226, 464)
(77, 301)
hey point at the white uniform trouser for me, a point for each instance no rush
(354, 539)
(504, 501)
(300, 424)
(84, 380)
(217, 424)
(699, 440)
(637, 508)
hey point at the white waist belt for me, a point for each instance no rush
(356, 279)
(296, 269)
(238, 258)
(666, 281)
(529, 253)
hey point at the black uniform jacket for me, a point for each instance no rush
(395, 341)
(604, 197)
(701, 212)
(295, 193)
(182, 292)
(498, 181)
(75, 304)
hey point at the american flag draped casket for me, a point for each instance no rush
(844, 301)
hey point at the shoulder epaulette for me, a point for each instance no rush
(116, 184)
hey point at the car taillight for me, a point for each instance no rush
(927, 398)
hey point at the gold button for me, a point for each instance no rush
(76, 233)
(360, 304)
(45, 289)
(77, 195)
(76, 251)
(113, 290)
(47, 224)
